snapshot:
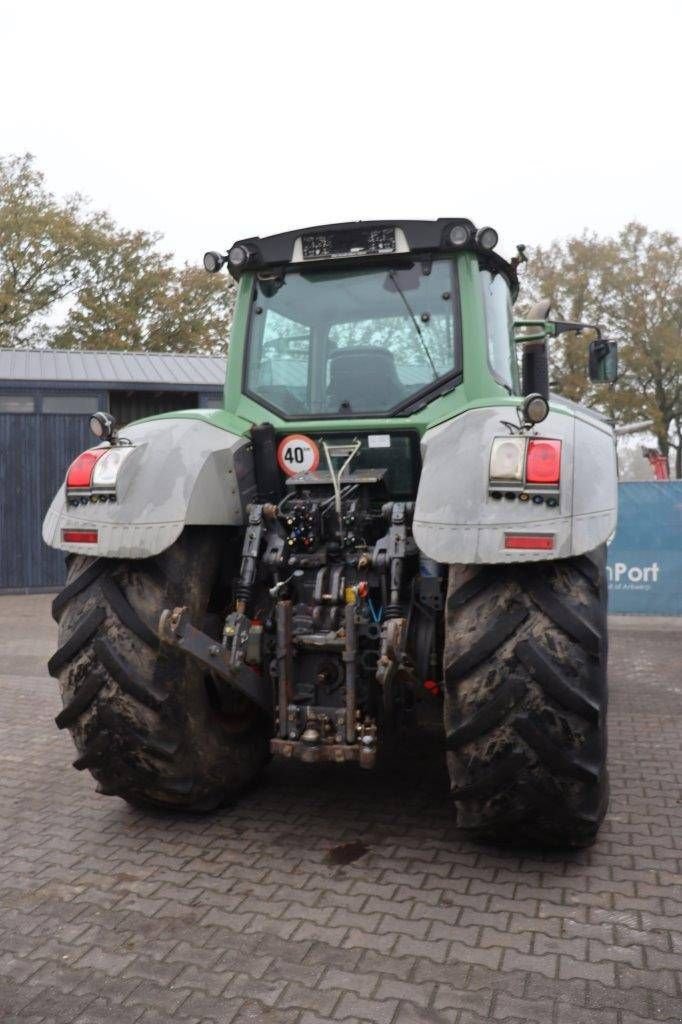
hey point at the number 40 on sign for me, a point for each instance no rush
(297, 453)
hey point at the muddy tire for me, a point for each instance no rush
(525, 700)
(147, 722)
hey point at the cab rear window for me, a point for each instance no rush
(353, 342)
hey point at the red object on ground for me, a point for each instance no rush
(432, 687)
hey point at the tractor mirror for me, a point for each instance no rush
(603, 361)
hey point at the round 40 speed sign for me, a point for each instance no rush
(297, 453)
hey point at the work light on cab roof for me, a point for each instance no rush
(359, 240)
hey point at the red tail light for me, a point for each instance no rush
(529, 541)
(543, 461)
(80, 471)
(79, 536)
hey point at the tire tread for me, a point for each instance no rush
(525, 702)
(139, 712)
(72, 646)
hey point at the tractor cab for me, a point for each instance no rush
(367, 321)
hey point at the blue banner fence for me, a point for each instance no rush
(645, 556)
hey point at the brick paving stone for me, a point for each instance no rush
(567, 1014)
(437, 950)
(461, 953)
(266, 943)
(251, 1012)
(560, 990)
(508, 940)
(515, 961)
(665, 981)
(213, 982)
(372, 961)
(330, 956)
(14, 995)
(265, 990)
(153, 970)
(20, 969)
(300, 997)
(281, 927)
(635, 1000)
(350, 981)
(355, 1008)
(99, 1012)
(536, 1010)
(106, 961)
(452, 998)
(370, 940)
(521, 923)
(165, 998)
(98, 985)
(59, 1005)
(405, 991)
(211, 1008)
(481, 977)
(409, 1014)
(575, 947)
(108, 914)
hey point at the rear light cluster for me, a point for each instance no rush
(526, 468)
(92, 476)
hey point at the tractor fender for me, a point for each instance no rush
(181, 472)
(456, 520)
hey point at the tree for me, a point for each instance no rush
(198, 312)
(71, 278)
(40, 252)
(134, 298)
(632, 286)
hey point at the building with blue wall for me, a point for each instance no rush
(46, 399)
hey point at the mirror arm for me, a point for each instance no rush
(562, 326)
(534, 340)
(551, 329)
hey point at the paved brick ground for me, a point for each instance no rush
(108, 915)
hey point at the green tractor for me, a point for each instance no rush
(389, 527)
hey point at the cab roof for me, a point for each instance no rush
(366, 242)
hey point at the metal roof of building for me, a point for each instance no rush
(153, 368)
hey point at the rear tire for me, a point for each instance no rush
(525, 700)
(147, 722)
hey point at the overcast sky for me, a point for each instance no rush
(210, 121)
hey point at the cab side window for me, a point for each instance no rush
(499, 320)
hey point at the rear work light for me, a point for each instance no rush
(529, 541)
(80, 471)
(543, 461)
(79, 536)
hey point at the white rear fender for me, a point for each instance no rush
(457, 520)
(181, 472)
